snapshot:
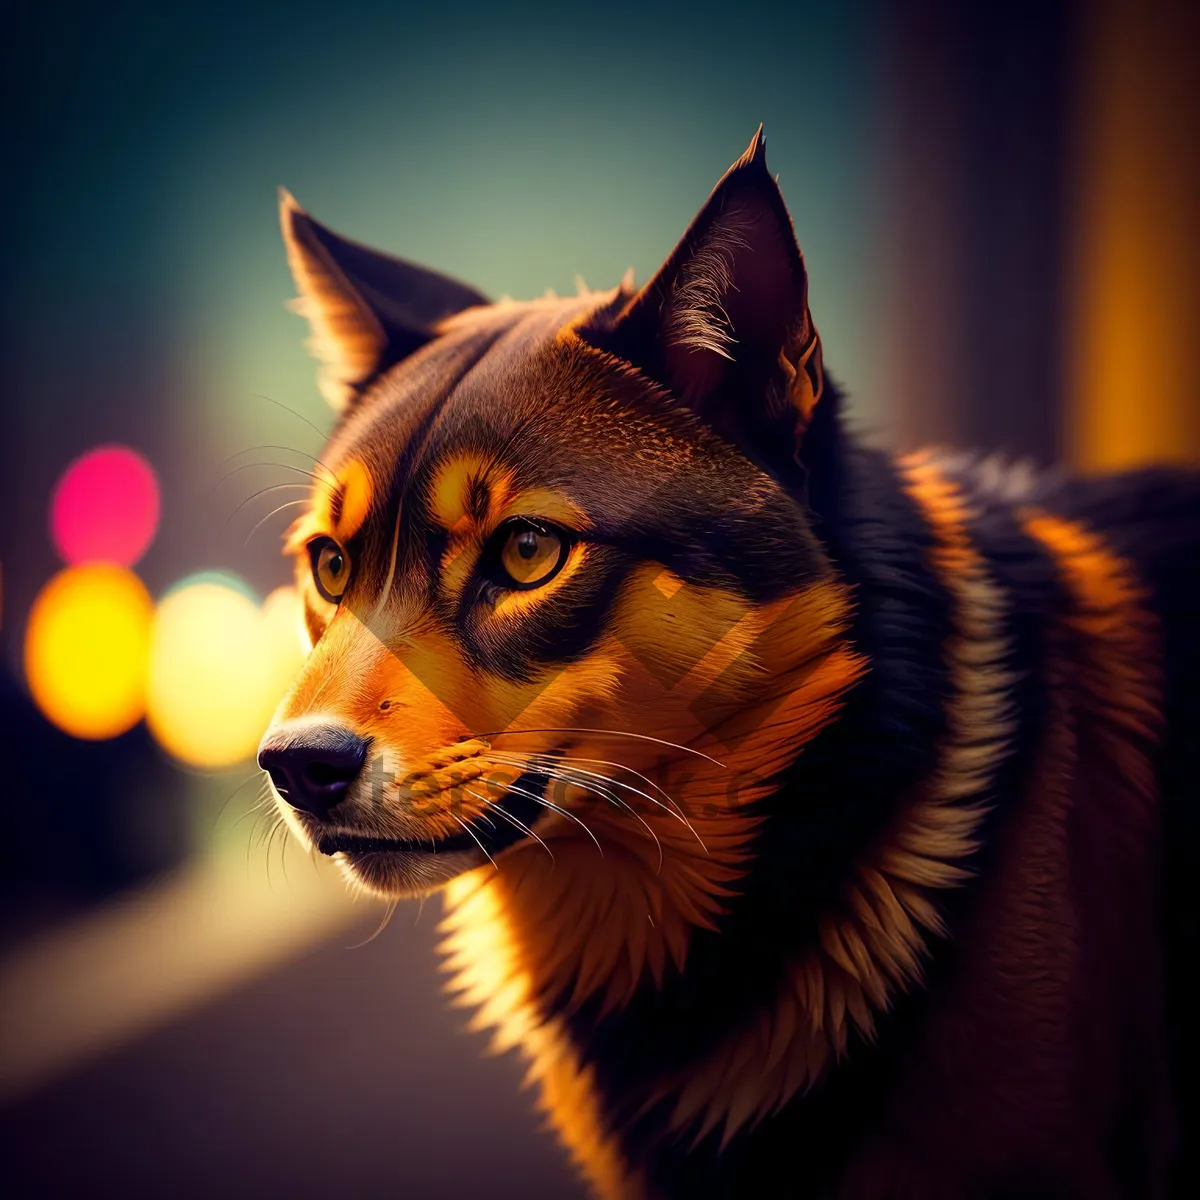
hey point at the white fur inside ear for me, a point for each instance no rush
(698, 319)
(345, 338)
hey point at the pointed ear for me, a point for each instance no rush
(725, 323)
(366, 310)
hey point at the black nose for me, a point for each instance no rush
(311, 766)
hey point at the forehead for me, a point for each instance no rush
(512, 400)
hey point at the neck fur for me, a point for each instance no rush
(530, 943)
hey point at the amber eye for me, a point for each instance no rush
(330, 568)
(530, 554)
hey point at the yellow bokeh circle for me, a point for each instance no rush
(219, 665)
(86, 649)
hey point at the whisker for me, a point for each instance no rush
(512, 787)
(641, 737)
(275, 487)
(275, 828)
(287, 449)
(259, 524)
(475, 839)
(284, 844)
(256, 809)
(564, 774)
(322, 434)
(262, 827)
(541, 765)
(252, 840)
(279, 826)
(388, 913)
(672, 809)
(511, 820)
(229, 799)
(333, 491)
(619, 803)
(604, 762)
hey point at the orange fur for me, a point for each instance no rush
(581, 923)
(1121, 685)
(489, 976)
(873, 944)
(1027, 1054)
(469, 497)
(661, 723)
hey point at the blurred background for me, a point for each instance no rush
(997, 204)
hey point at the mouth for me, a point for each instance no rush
(510, 820)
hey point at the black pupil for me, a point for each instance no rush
(335, 563)
(527, 544)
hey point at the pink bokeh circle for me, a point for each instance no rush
(105, 507)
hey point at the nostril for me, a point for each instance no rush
(325, 774)
(279, 779)
(312, 766)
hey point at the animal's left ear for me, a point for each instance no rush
(725, 323)
(367, 310)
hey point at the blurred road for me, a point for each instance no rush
(343, 1072)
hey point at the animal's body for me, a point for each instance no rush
(817, 822)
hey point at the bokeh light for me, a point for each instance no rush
(105, 507)
(225, 579)
(86, 648)
(286, 636)
(219, 665)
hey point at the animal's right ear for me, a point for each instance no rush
(366, 310)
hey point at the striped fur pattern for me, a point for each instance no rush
(814, 822)
(874, 941)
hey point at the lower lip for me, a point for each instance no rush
(346, 844)
(499, 836)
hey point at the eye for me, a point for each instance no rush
(530, 553)
(330, 568)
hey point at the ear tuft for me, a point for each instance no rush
(724, 324)
(756, 152)
(366, 310)
(698, 318)
(345, 337)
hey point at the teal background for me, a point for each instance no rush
(514, 147)
(927, 152)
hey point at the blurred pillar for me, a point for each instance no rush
(1134, 391)
(975, 211)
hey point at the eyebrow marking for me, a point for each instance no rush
(542, 502)
(479, 499)
(467, 536)
(466, 490)
(467, 493)
(340, 510)
(354, 501)
(299, 532)
(450, 491)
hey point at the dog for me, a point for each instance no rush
(816, 821)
